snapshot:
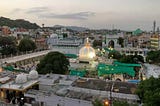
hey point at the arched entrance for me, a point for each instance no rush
(111, 44)
(118, 79)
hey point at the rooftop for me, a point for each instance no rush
(18, 87)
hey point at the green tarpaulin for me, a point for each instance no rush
(111, 69)
(126, 64)
(11, 68)
(109, 50)
(71, 55)
(80, 73)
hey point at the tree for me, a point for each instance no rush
(123, 103)
(53, 62)
(149, 91)
(97, 43)
(131, 59)
(97, 102)
(26, 44)
(120, 41)
(153, 56)
(114, 55)
(7, 45)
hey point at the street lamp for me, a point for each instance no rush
(106, 103)
(110, 48)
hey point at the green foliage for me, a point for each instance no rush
(26, 45)
(122, 103)
(17, 23)
(153, 56)
(131, 59)
(7, 45)
(97, 103)
(97, 43)
(149, 91)
(120, 41)
(114, 55)
(53, 62)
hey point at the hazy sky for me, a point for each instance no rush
(122, 14)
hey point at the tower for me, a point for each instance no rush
(154, 27)
(42, 25)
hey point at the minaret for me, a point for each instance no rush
(154, 27)
(158, 30)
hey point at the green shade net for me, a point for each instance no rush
(112, 69)
(80, 73)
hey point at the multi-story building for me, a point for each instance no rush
(63, 32)
(133, 41)
(133, 51)
(64, 45)
(6, 30)
(41, 43)
(155, 41)
(54, 40)
(144, 41)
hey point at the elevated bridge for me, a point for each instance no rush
(25, 59)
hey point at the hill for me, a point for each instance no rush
(21, 23)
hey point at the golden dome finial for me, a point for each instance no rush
(87, 40)
(87, 43)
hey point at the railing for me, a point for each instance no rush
(19, 54)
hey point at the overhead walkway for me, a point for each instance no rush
(24, 57)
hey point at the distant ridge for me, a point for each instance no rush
(74, 28)
(20, 23)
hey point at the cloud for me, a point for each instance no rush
(45, 12)
(16, 10)
(78, 15)
(37, 10)
(34, 10)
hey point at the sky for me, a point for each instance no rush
(93, 14)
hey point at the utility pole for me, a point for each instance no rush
(111, 90)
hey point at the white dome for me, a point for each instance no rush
(21, 78)
(54, 36)
(33, 74)
(87, 52)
